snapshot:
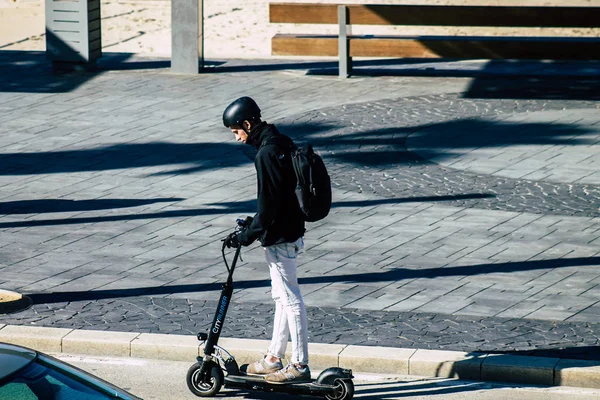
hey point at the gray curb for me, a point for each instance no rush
(361, 359)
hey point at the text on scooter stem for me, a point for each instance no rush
(222, 308)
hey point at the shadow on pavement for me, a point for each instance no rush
(387, 390)
(545, 360)
(392, 275)
(194, 212)
(361, 67)
(443, 140)
(543, 88)
(429, 387)
(495, 79)
(240, 207)
(206, 156)
(441, 67)
(373, 148)
(66, 205)
(387, 146)
(591, 353)
(31, 72)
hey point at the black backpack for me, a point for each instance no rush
(313, 185)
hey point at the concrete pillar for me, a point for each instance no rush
(345, 61)
(73, 31)
(187, 36)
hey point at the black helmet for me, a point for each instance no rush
(243, 109)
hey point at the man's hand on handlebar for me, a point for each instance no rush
(232, 240)
(244, 223)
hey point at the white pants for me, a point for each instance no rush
(290, 313)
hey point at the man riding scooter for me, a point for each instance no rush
(279, 226)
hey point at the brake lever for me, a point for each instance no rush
(225, 258)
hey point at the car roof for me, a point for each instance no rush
(13, 358)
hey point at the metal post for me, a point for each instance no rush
(345, 61)
(187, 36)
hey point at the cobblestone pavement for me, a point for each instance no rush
(327, 325)
(117, 186)
(371, 137)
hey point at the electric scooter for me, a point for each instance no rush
(206, 377)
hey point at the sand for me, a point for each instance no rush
(233, 28)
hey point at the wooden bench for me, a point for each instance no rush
(453, 47)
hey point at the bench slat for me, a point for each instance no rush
(298, 13)
(438, 15)
(304, 45)
(464, 47)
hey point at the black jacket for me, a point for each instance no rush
(279, 218)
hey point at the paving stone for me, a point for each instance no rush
(433, 224)
(520, 310)
(445, 305)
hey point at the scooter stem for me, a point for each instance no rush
(222, 306)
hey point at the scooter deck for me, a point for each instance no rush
(259, 383)
(245, 378)
(261, 379)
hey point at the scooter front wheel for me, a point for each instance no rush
(343, 389)
(205, 386)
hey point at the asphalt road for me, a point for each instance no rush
(165, 380)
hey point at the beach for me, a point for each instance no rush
(232, 28)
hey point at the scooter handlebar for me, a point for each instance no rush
(243, 223)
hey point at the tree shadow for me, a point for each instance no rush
(202, 156)
(206, 156)
(391, 275)
(492, 79)
(238, 207)
(444, 140)
(387, 146)
(180, 213)
(31, 72)
(379, 148)
(543, 87)
(67, 205)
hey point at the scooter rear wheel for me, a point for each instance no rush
(343, 390)
(205, 388)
